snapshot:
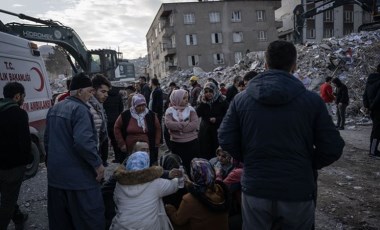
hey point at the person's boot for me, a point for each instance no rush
(19, 219)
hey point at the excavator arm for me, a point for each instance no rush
(300, 15)
(91, 61)
(63, 36)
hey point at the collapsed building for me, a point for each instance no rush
(351, 58)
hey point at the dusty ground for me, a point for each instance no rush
(349, 190)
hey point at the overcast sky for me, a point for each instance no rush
(99, 23)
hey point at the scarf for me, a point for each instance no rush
(137, 100)
(216, 93)
(179, 113)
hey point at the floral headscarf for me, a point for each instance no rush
(137, 100)
(137, 161)
(214, 88)
(202, 174)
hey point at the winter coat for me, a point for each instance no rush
(138, 198)
(208, 132)
(15, 141)
(100, 119)
(113, 105)
(202, 211)
(341, 95)
(145, 90)
(371, 97)
(182, 131)
(156, 102)
(194, 94)
(71, 146)
(283, 134)
(231, 93)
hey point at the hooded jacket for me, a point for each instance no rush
(138, 198)
(371, 97)
(283, 134)
(15, 141)
(208, 210)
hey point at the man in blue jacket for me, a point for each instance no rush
(73, 165)
(283, 134)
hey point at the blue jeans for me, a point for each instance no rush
(10, 183)
(259, 213)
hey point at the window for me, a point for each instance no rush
(216, 38)
(348, 16)
(260, 15)
(155, 32)
(237, 36)
(218, 59)
(328, 32)
(310, 33)
(171, 20)
(238, 57)
(159, 27)
(328, 16)
(172, 38)
(189, 18)
(236, 16)
(191, 39)
(214, 17)
(262, 35)
(193, 60)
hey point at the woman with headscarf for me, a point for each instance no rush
(207, 203)
(182, 122)
(138, 195)
(169, 162)
(138, 124)
(212, 108)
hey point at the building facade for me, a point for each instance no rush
(336, 22)
(208, 34)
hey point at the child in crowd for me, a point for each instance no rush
(221, 163)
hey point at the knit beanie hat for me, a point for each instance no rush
(137, 161)
(80, 81)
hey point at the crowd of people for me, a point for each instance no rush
(250, 152)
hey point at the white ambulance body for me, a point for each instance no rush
(20, 61)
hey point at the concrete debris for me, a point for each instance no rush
(351, 58)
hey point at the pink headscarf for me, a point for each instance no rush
(176, 98)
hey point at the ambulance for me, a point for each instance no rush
(21, 61)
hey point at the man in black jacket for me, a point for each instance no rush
(15, 147)
(156, 101)
(233, 89)
(341, 100)
(371, 101)
(283, 134)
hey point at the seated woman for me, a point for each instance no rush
(207, 203)
(138, 124)
(170, 163)
(138, 195)
(222, 163)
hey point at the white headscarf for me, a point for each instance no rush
(137, 100)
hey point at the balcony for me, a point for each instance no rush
(168, 51)
(167, 31)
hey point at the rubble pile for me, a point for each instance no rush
(351, 58)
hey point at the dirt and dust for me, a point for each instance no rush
(348, 194)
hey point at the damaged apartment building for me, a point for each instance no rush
(322, 19)
(208, 34)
